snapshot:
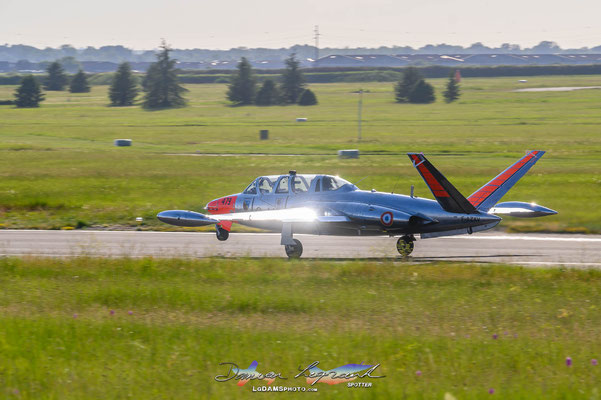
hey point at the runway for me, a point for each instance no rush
(582, 251)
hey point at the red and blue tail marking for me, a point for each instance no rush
(488, 195)
(445, 193)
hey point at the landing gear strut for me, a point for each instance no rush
(222, 234)
(405, 245)
(293, 247)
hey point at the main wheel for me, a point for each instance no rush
(294, 250)
(222, 234)
(405, 246)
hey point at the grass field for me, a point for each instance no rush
(155, 329)
(58, 167)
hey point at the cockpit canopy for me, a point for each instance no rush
(300, 183)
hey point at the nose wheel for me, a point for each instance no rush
(294, 250)
(222, 234)
(405, 245)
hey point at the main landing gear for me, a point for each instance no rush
(294, 250)
(293, 247)
(222, 234)
(405, 245)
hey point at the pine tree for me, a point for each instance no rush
(124, 89)
(268, 94)
(161, 85)
(293, 81)
(57, 79)
(422, 93)
(452, 92)
(411, 77)
(150, 72)
(243, 86)
(79, 83)
(307, 98)
(29, 93)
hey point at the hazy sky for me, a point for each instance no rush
(225, 24)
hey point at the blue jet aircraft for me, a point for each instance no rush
(329, 205)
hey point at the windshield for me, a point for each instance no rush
(251, 189)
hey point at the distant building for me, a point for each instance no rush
(342, 61)
(402, 60)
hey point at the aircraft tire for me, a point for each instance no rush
(405, 245)
(294, 250)
(222, 234)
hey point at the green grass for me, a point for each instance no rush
(58, 338)
(58, 167)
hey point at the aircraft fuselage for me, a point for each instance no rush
(366, 210)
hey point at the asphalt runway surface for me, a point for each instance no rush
(582, 251)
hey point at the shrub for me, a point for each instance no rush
(307, 98)
(422, 93)
(268, 94)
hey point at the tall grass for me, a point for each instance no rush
(146, 328)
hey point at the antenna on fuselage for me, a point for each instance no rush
(292, 172)
(360, 180)
(412, 189)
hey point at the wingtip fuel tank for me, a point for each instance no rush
(185, 218)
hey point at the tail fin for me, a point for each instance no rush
(445, 193)
(488, 195)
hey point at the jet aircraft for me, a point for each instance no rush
(329, 205)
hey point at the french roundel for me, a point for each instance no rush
(386, 218)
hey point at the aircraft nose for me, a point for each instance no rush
(222, 205)
(212, 206)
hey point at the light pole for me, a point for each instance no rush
(359, 109)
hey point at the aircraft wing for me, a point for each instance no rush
(300, 214)
(288, 215)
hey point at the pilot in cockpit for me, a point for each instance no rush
(265, 185)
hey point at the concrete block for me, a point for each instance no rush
(353, 153)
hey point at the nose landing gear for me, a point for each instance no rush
(405, 245)
(222, 234)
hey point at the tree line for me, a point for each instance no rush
(292, 89)
(160, 85)
(29, 93)
(413, 88)
(162, 89)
